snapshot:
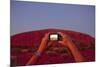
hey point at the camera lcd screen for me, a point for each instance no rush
(53, 37)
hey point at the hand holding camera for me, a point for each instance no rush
(62, 38)
(49, 38)
(66, 41)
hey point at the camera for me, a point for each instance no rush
(54, 37)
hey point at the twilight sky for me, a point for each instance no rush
(29, 16)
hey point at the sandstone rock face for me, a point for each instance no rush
(23, 46)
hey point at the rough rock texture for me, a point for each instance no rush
(24, 45)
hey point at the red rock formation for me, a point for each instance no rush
(31, 41)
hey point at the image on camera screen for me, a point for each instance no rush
(53, 36)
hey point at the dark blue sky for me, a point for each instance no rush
(28, 16)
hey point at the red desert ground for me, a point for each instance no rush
(24, 45)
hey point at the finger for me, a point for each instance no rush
(62, 35)
(61, 42)
(46, 36)
(50, 43)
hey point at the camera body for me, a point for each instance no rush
(54, 37)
